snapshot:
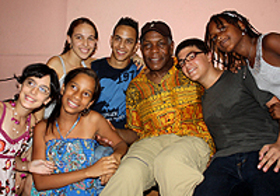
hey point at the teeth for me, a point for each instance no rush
(72, 103)
(30, 99)
(154, 59)
(84, 50)
(120, 52)
(191, 70)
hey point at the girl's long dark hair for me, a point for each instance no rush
(72, 74)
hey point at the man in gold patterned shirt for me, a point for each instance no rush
(164, 113)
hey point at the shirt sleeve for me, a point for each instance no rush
(261, 96)
(133, 121)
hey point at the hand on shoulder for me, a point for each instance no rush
(88, 61)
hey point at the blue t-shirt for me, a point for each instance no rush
(114, 83)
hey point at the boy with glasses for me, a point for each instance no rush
(236, 113)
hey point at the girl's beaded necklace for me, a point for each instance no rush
(74, 125)
(16, 121)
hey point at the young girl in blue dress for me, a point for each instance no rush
(67, 139)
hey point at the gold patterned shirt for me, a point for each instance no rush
(173, 106)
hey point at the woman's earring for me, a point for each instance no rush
(243, 33)
(85, 111)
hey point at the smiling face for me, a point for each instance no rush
(226, 36)
(78, 93)
(82, 41)
(157, 51)
(35, 92)
(197, 67)
(123, 43)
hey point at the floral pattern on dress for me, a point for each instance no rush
(9, 149)
(71, 155)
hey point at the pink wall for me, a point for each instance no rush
(34, 30)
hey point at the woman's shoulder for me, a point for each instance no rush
(55, 63)
(94, 116)
(271, 41)
(41, 126)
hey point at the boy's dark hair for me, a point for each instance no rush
(192, 42)
(128, 22)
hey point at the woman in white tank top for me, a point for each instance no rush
(80, 45)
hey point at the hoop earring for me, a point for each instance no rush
(85, 111)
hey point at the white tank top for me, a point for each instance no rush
(266, 76)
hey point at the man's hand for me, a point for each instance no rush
(138, 61)
(275, 110)
(268, 155)
(103, 141)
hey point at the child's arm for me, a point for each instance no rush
(127, 135)
(104, 166)
(105, 130)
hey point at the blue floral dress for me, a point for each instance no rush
(70, 155)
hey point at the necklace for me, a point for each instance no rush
(74, 125)
(16, 121)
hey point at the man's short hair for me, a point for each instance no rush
(128, 22)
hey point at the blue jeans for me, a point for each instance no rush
(225, 174)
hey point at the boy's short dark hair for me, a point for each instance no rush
(128, 22)
(192, 42)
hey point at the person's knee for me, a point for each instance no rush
(134, 168)
(163, 160)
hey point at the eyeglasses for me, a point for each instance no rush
(30, 83)
(191, 56)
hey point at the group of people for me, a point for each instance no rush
(178, 123)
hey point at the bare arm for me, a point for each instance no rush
(55, 63)
(127, 135)
(105, 131)
(271, 49)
